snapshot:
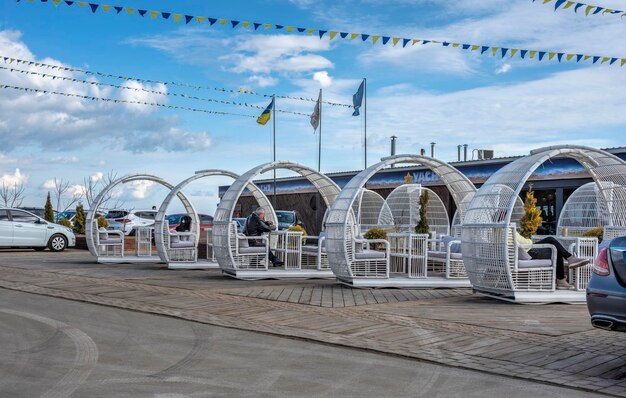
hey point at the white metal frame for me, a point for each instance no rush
(488, 252)
(91, 222)
(341, 224)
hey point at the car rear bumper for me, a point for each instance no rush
(607, 309)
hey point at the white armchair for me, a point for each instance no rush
(110, 242)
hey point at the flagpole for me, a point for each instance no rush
(319, 139)
(365, 116)
(274, 142)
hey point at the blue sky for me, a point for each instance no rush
(420, 94)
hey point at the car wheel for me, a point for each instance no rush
(39, 249)
(57, 243)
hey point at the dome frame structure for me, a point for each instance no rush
(161, 235)
(404, 203)
(223, 233)
(91, 229)
(371, 210)
(488, 234)
(585, 209)
(342, 232)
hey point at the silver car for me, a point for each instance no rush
(606, 291)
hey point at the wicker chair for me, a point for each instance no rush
(107, 244)
(314, 253)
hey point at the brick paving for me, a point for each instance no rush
(552, 344)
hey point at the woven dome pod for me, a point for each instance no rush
(404, 203)
(340, 221)
(585, 209)
(222, 232)
(488, 233)
(371, 210)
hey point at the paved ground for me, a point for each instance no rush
(553, 344)
(54, 348)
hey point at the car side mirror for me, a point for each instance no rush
(40, 221)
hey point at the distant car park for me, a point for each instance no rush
(206, 221)
(241, 222)
(287, 218)
(606, 290)
(129, 221)
(19, 228)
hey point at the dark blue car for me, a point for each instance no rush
(606, 291)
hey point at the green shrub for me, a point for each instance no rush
(103, 223)
(531, 220)
(79, 219)
(595, 233)
(65, 222)
(48, 214)
(422, 226)
(376, 233)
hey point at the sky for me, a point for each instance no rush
(421, 93)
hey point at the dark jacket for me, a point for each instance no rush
(185, 224)
(256, 227)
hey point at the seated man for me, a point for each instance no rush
(257, 226)
(546, 254)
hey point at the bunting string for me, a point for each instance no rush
(502, 52)
(10, 60)
(119, 101)
(587, 9)
(95, 83)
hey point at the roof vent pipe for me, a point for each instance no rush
(465, 152)
(432, 149)
(458, 153)
(393, 145)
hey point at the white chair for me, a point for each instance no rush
(107, 244)
(245, 255)
(368, 262)
(447, 258)
(528, 274)
(314, 253)
(181, 246)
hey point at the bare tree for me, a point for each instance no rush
(63, 197)
(93, 188)
(12, 195)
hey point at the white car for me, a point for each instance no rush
(19, 228)
(129, 221)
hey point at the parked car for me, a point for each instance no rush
(287, 218)
(241, 222)
(19, 228)
(606, 290)
(129, 221)
(206, 221)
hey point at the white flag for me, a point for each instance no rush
(315, 117)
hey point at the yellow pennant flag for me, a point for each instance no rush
(177, 17)
(200, 19)
(456, 45)
(332, 34)
(105, 8)
(551, 55)
(245, 24)
(569, 57)
(130, 10)
(395, 40)
(474, 47)
(375, 39)
(546, 1)
(310, 31)
(415, 41)
(604, 59)
(588, 9)
(568, 5)
(353, 36)
(513, 51)
(622, 62)
(81, 3)
(154, 14)
(268, 26)
(290, 29)
(223, 21)
(586, 57)
(56, 2)
(532, 53)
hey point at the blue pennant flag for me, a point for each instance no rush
(612, 60)
(188, 18)
(598, 9)
(364, 37)
(212, 20)
(522, 53)
(322, 33)
(541, 55)
(280, 26)
(256, 25)
(504, 51)
(93, 7)
(559, 56)
(578, 5)
(558, 4)
(301, 29)
(595, 59)
(234, 23)
(405, 42)
(166, 15)
(465, 46)
(142, 12)
(483, 49)
(357, 99)
(385, 39)
(445, 44)
(343, 34)
(578, 57)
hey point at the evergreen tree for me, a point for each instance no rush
(79, 219)
(422, 226)
(48, 214)
(532, 216)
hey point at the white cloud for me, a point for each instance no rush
(323, 78)
(504, 68)
(97, 177)
(65, 159)
(64, 123)
(141, 189)
(12, 179)
(263, 81)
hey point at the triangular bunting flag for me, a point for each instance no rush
(395, 40)
(364, 37)
(332, 35)
(375, 39)
(93, 7)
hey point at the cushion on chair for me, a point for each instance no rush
(243, 242)
(182, 244)
(309, 249)
(252, 249)
(455, 247)
(534, 263)
(369, 255)
(523, 254)
(112, 241)
(442, 255)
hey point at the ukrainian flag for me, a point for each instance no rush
(266, 115)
